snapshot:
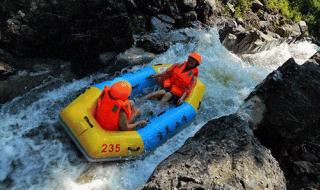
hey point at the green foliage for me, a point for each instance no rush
(308, 10)
(242, 6)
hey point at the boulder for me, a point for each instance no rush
(44, 28)
(47, 75)
(132, 57)
(303, 26)
(256, 6)
(244, 42)
(290, 124)
(223, 154)
(162, 23)
(5, 70)
(152, 43)
(108, 58)
(189, 5)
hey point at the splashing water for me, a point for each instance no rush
(37, 154)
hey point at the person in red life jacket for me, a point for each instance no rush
(114, 110)
(179, 80)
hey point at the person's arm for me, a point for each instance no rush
(181, 99)
(125, 126)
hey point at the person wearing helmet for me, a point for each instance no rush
(114, 110)
(178, 80)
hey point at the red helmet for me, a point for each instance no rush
(196, 56)
(121, 90)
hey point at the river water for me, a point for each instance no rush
(37, 153)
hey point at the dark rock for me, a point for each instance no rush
(315, 58)
(133, 56)
(5, 70)
(152, 43)
(304, 167)
(57, 29)
(189, 17)
(290, 126)
(251, 42)
(108, 57)
(189, 5)
(40, 29)
(162, 24)
(35, 73)
(205, 10)
(256, 6)
(223, 155)
(229, 27)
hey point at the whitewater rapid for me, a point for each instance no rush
(37, 153)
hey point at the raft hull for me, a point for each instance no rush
(97, 144)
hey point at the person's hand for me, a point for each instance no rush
(180, 101)
(153, 76)
(142, 122)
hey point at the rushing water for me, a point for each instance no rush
(37, 153)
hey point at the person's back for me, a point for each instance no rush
(113, 103)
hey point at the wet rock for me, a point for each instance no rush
(222, 155)
(229, 27)
(304, 167)
(133, 56)
(189, 5)
(251, 42)
(205, 11)
(41, 28)
(289, 31)
(315, 58)
(5, 70)
(190, 16)
(303, 27)
(256, 6)
(290, 126)
(108, 57)
(44, 28)
(162, 23)
(152, 43)
(33, 74)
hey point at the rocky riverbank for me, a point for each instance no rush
(283, 113)
(291, 124)
(91, 35)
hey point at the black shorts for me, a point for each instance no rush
(174, 98)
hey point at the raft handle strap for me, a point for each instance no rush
(135, 86)
(88, 121)
(134, 149)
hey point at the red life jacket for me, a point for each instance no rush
(108, 110)
(178, 81)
